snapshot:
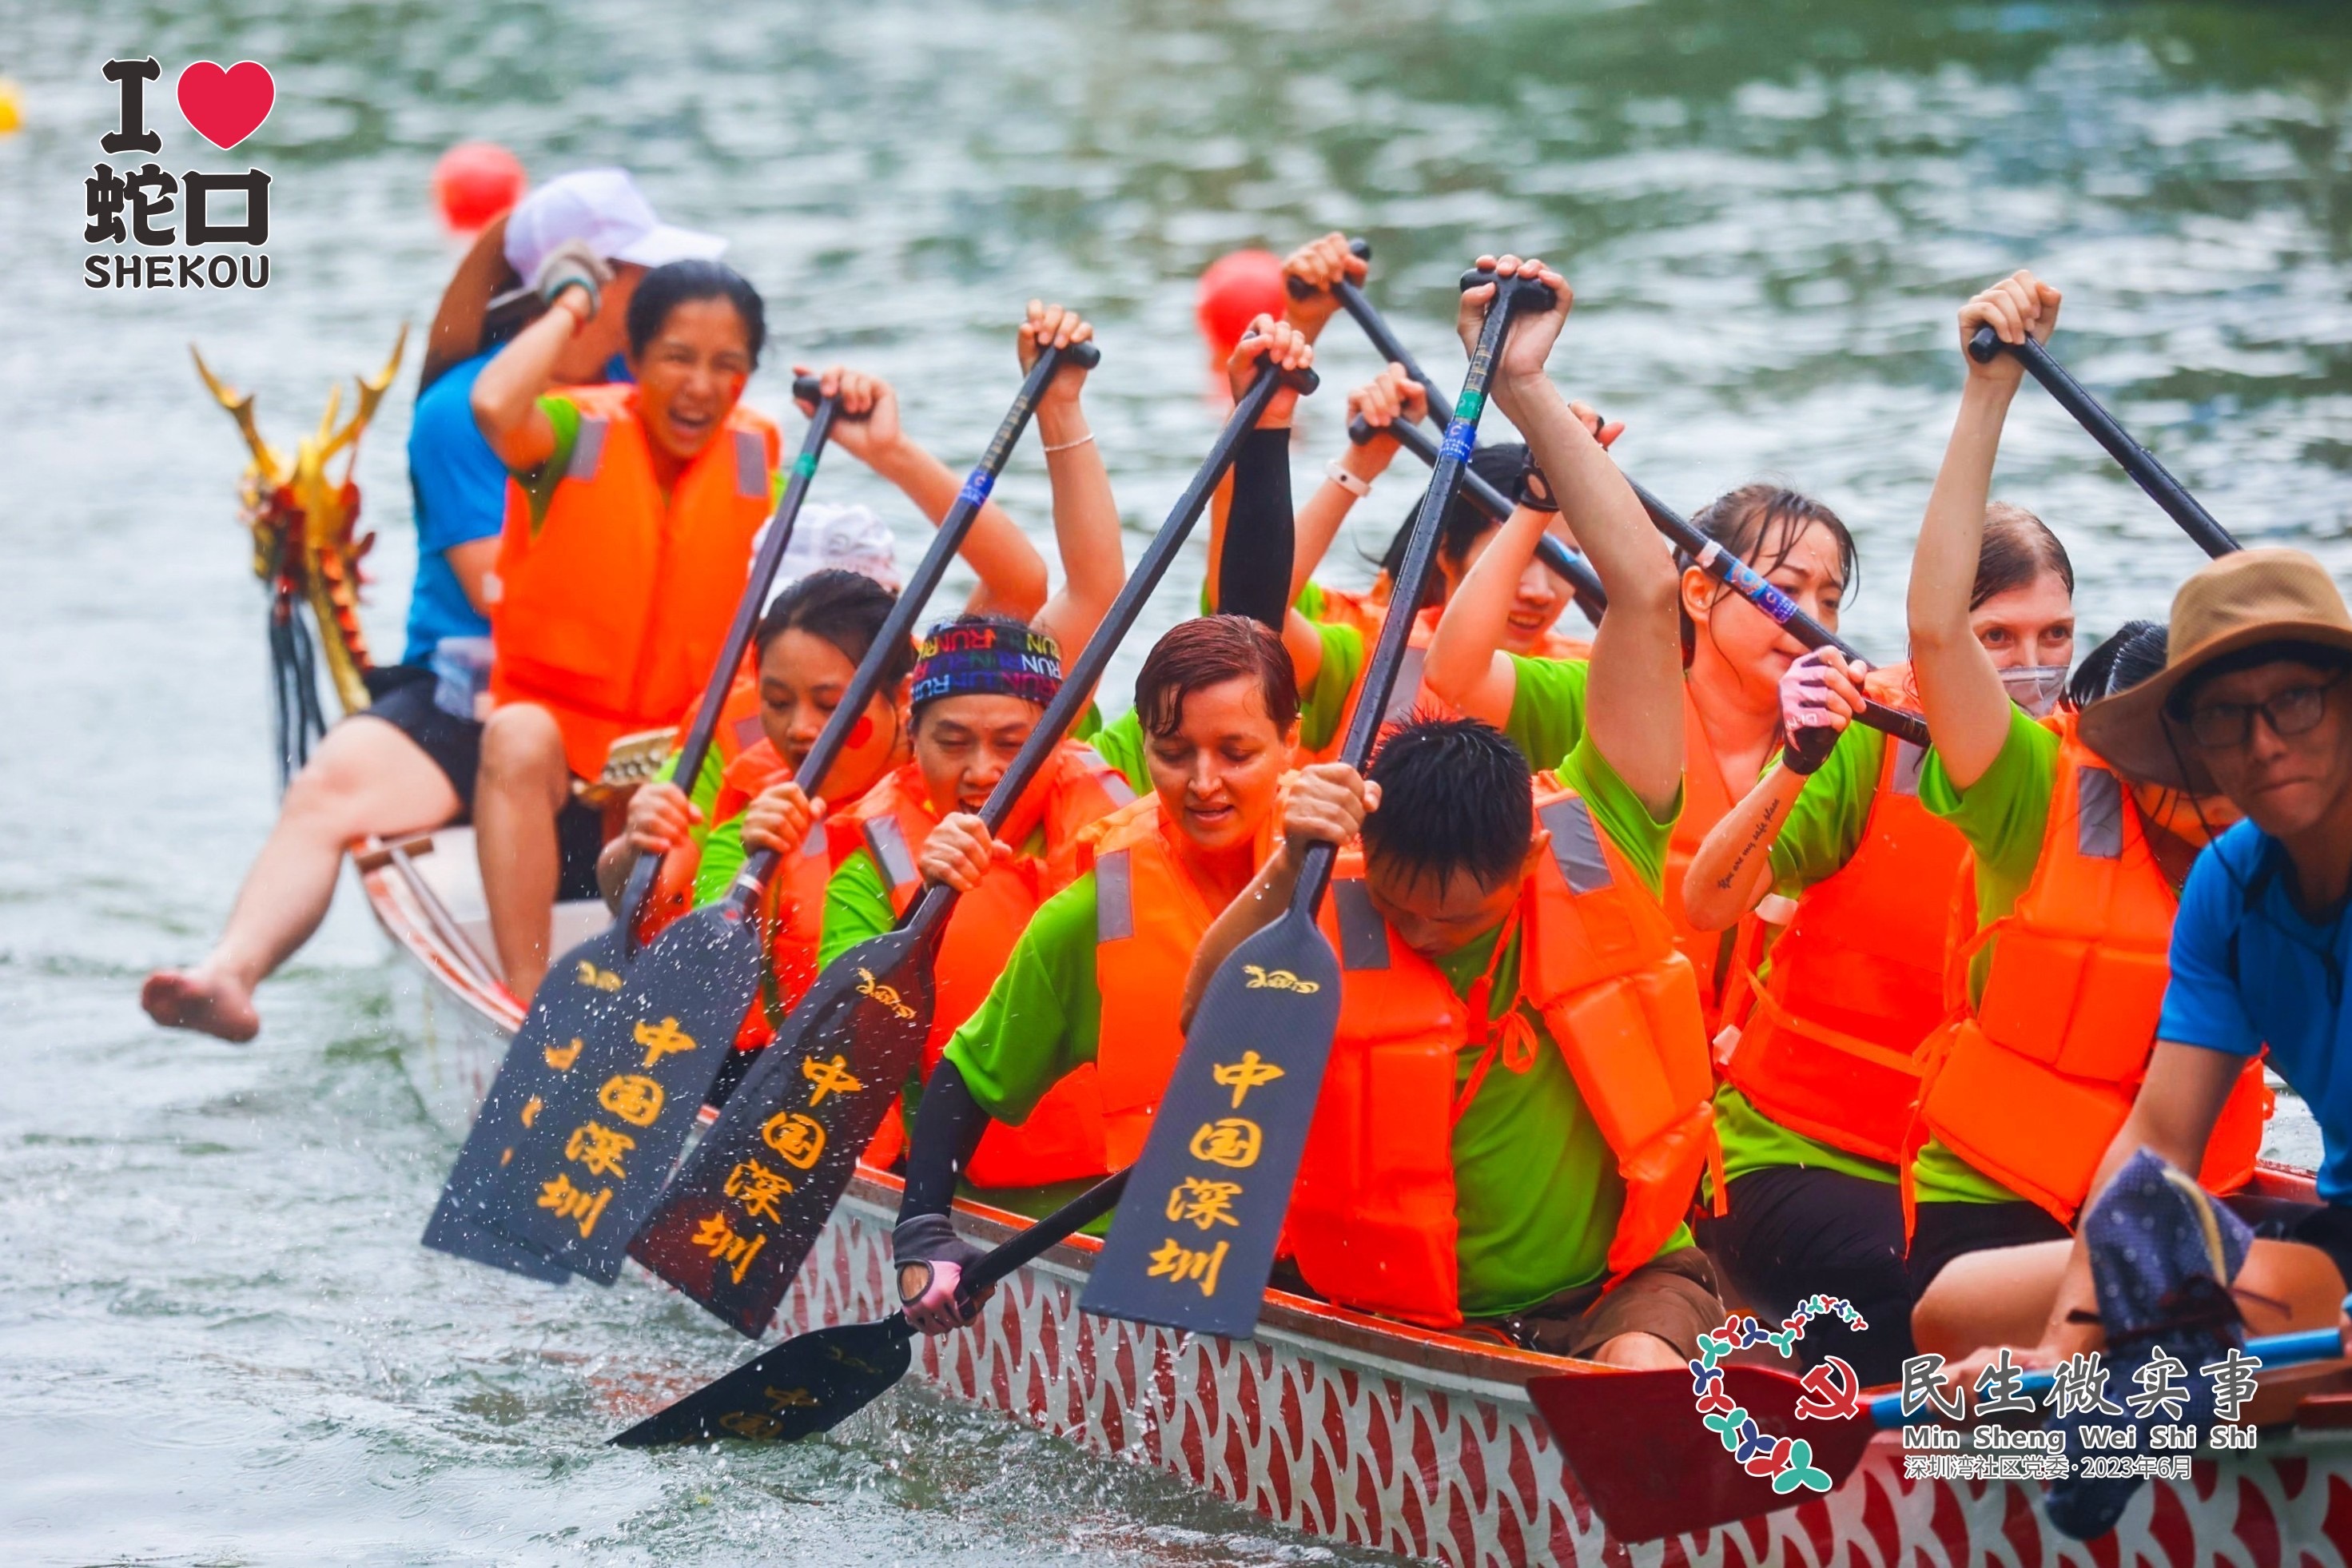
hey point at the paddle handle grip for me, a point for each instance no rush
(1361, 249)
(2141, 463)
(1047, 1233)
(2298, 1349)
(808, 389)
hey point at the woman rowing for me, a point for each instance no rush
(1734, 658)
(1817, 1055)
(2077, 867)
(809, 646)
(628, 532)
(407, 764)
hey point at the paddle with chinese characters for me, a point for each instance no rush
(581, 998)
(814, 1382)
(1644, 1455)
(2138, 461)
(629, 1100)
(735, 1224)
(1233, 1122)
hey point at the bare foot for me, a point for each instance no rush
(194, 999)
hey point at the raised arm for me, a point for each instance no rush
(1959, 687)
(504, 396)
(1011, 573)
(1633, 701)
(1255, 572)
(1390, 397)
(1086, 515)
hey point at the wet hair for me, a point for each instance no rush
(1500, 465)
(1756, 517)
(2134, 653)
(2319, 656)
(2017, 548)
(843, 608)
(1209, 651)
(1455, 796)
(675, 283)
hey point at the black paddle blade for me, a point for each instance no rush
(803, 1386)
(576, 1002)
(592, 1162)
(744, 1210)
(1193, 1241)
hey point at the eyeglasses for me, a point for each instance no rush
(1533, 491)
(2218, 726)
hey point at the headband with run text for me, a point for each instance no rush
(989, 657)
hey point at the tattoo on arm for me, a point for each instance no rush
(1763, 829)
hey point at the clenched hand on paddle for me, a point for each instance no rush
(684, 999)
(495, 1183)
(1238, 1104)
(817, 1096)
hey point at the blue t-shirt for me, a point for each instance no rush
(2280, 981)
(460, 490)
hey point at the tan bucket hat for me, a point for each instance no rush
(2237, 601)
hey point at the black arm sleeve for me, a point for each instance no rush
(1253, 570)
(947, 1130)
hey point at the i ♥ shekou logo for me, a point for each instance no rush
(1832, 1392)
(163, 223)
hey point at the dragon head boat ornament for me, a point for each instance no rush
(308, 551)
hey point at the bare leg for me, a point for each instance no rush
(523, 785)
(2003, 1296)
(365, 777)
(1643, 1353)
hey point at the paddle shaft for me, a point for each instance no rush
(1051, 1231)
(2137, 460)
(1079, 679)
(1512, 296)
(1718, 564)
(1583, 580)
(748, 610)
(898, 624)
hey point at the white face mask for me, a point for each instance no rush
(2036, 688)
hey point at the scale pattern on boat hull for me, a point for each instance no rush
(1342, 1451)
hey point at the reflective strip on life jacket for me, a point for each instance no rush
(2031, 1083)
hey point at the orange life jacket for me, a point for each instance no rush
(1830, 1046)
(1373, 1223)
(1062, 1140)
(1706, 801)
(1149, 918)
(610, 612)
(1409, 697)
(2031, 1083)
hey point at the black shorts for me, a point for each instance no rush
(1671, 1297)
(1946, 1231)
(403, 699)
(2327, 1227)
(1794, 1231)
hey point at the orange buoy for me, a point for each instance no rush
(475, 182)
(1235, 289)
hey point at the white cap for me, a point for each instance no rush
(837, 538)
(605, 207)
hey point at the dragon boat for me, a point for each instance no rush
(1344, 1426)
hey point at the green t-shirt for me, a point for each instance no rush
(1819, 835)
(1525, 1235)
(2003, 816)
(1547, 718)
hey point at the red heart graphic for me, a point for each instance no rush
(226, 105)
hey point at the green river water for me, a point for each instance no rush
(219, 1341)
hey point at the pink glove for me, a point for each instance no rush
(927, 1293)
(1816, 703)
